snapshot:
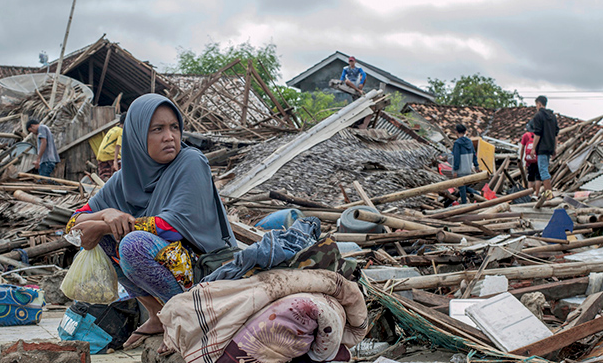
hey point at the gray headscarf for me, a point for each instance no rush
(182, 192)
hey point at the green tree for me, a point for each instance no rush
(475, 90)
(396, 104)
(266, 61)
(214, 56)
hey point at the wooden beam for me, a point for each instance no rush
(91, 73)
(209, 82)
(266, 89)
(482, 205)
(365, 198)
(435, 187)
(246, 92)
(102, 77)
(153, 75)
(560, 340)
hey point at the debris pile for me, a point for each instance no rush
(505, 277)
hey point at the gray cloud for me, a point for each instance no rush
(520, 43)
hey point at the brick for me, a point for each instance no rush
(45, 351)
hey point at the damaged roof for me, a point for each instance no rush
(123, 73)
(476, 119)
(507, 124)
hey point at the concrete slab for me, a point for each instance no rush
(508, 323)
(47, 330)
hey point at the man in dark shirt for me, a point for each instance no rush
(545, 141)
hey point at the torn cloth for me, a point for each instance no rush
(202, 322)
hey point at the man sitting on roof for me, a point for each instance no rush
(353, 76)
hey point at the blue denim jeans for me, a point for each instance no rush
(46, 168)
(543, 167)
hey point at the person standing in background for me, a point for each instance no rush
(546, 130)
(109, 151)
(531, 161)
(464, 155)
(48, 156)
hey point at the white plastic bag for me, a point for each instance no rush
(91, 278)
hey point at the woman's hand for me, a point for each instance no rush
(119, 222)
(92, 232)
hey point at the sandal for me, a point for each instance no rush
(138, 342)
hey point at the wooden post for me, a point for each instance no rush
(91, 73)
(246, 93)
(60, 65)
(153, 75)
(102, 77)
(452, 183)
(482, 205)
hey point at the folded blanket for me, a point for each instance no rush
(202, 322)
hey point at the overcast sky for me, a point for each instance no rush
(550, 47)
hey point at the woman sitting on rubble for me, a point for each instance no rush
(155, 215)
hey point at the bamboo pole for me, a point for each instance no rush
(484, 217)
(559, 270)
(389, 221)
(565, 247)
(482, 205)
(36, 176)
(451, 237)
(452, 183)
(55, 83)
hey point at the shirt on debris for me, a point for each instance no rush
(106, 150)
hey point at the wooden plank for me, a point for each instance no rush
(88, 136)
(245, 233)
(428, 298)
(560, 340)
(586, 311)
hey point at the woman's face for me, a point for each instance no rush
(163, 138)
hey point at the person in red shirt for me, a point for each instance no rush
(531, 162)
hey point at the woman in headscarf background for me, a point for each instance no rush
(157, 213)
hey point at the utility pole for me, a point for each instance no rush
(58, 72)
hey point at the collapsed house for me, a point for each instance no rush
(489, 281)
